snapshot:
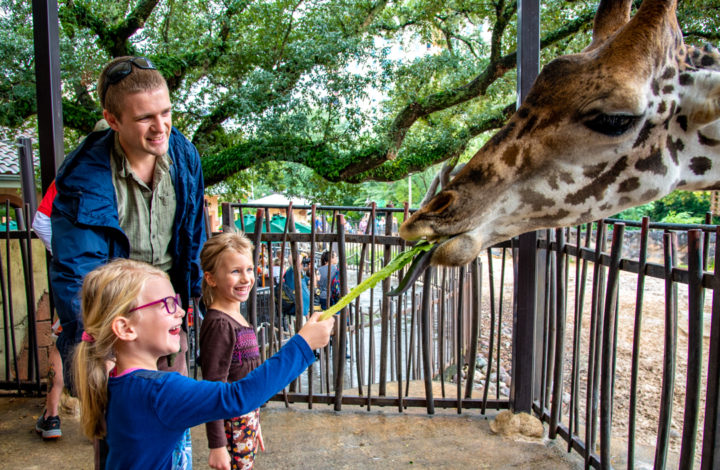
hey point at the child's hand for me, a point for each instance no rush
(219, 459)
(317, 333)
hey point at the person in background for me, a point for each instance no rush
(328, 267)
(48, 423)
(132, 314)
(288, 292)
(228, 345)
(276, 271)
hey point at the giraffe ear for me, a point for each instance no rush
(702, 102)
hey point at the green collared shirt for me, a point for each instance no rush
(146, 213)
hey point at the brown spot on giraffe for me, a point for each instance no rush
(668, 73)
(566, 177)
(536, 200)
(559, 215)
(682, 120)
(552, 181)
(630, 184)
(595, 170)
(650, 194)
(644, 134)
(527, 127)
(502, 134)
(597, 188)
(700, 165)
(655, 87)
(686, 80)
(707, 141)
(674, 146)
(510, 155)
(653, 163)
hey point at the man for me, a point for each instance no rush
(132, 191)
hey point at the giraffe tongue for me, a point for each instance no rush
(418, 266)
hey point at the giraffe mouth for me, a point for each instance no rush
(419, 264)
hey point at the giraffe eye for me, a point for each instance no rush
(611, 124)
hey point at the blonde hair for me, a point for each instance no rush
(137, 81)
(108, 292)
(213, 249)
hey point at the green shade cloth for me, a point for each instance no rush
(13, 226)
(277, 224)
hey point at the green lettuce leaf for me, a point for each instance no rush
(397, 263)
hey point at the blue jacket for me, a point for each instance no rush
(86, 231)
(148, 411)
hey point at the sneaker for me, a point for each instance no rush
(49, 427)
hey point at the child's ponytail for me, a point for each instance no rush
(91, 378)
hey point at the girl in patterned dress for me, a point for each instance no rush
(228, 345)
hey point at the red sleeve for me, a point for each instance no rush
(47, 201)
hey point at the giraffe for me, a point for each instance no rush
(628, 120)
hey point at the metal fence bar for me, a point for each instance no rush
(593, 356)
(668, 383)
(25, 243)
(557, 398)
(339, 341)
(476, 279)
(695, 344)
(491, 291)
(459, 338)
(425, 324)
(607, 374)
(9, 284)
(640, 289)
(550, 330)
(711, 433)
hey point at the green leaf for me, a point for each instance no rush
(396, 264)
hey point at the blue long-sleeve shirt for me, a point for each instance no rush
(149, 411)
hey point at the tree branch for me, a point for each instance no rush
(497, 67)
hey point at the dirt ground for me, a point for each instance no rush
(319, 439)
(650, 373)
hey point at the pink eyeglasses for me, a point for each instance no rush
(171, 304)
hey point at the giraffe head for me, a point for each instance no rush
(628, 120)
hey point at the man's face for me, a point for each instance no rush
(144, 128)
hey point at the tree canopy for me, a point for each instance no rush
(354, 90)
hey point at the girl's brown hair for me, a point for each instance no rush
(213, 249)
(108, 292)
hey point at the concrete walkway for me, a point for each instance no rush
(298, 438)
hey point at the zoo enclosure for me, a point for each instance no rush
(462, 322)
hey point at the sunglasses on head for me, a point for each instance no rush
(171, 304)
(123, 68)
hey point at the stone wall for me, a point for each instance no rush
(44, 341)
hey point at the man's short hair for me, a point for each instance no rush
(138, 80)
